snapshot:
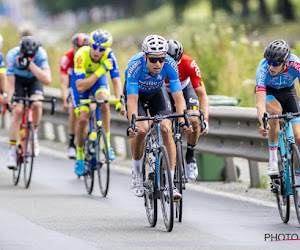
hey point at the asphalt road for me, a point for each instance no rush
(57, 213)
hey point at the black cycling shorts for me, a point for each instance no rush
(287, 97)
(157, 103)
(28, 87)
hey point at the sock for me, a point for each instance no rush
(108, 139)
(273, 151)
(172, 178)
(36, 129)
(189, 152)
(12, 148)
(137, 165)
(71, 140)
(80, 154)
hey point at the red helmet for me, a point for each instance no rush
(80, 39)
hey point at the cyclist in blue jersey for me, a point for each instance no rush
(276, 94)
(27, 70)
(145, 76)
(3, 78)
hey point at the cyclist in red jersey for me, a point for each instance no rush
(66, 69)
(195, 96)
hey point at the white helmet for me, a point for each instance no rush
(1, 41)
(155, 45)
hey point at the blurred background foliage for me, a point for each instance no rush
(226, 38)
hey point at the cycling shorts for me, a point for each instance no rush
(28, 87)
(157, 102)
(287, 97)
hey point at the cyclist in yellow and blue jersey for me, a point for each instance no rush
(3, 78)
(90, 66)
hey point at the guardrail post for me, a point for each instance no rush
(254, 174)
(230, 170)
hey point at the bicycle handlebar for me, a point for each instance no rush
(286, 117)
(201, 118)
(98, 101)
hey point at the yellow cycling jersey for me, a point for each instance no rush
(85, 66)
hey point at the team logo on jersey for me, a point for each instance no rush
(159, 77)
(79, 62)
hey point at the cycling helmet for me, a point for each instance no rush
(277, 51)
(80, 39)
(101, 38)
(155, 45)
(29, 46)
(175, 49)
(1, 41)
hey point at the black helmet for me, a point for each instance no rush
(29, 46)
(175, 49)
(277, 51)
(80, 39)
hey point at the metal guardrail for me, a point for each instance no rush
(233, 132)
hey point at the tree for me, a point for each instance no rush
(263, 12)
(245, 10)
(286, 8)
(179, 7)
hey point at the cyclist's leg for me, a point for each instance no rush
(35, 90)
(14, 126)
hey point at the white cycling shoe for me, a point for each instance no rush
(192, 170)
(273, 168)
(137, 184)
(11, 162)
(71, 153)
(36, 145)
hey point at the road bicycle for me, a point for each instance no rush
(157, 172)
(180, 168)
(288, 181)
(96, 148)
(25, 149)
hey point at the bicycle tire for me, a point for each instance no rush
(17, 172)
(103, 162)
(296, 171)
(88, 169)
(166, 191)
(179, 180)
(150, 197)
(28, 155)
(283, 201)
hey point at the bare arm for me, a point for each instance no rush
(64, 84)
(132, 107)
(3, 80)
(11, 79)
(44, 75)
(87, 83)
(117, 87)
(179, 103)
(203, 101)
(261, 108)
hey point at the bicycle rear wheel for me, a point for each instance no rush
(103, 163)
(178, 180)
(28, 155)
(283, 201)
(17, 172)
(296, 178)
(150, 199)
(88, 168)
(166, 189)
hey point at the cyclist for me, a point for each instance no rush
(145, 75)
(66, 70)
(3, 78)
(194, 93)
(276, 94)
(27, 70)
(90, 65)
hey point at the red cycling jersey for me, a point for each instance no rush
(188, 72)
(67, 62)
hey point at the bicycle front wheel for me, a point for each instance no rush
(296, 178)
(88, 168)
(17, 172)
(103, 163)
(283, 200)
(150, 197)
(28, 155)
(179, 180)
(166, 189)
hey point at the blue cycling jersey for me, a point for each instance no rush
(40, 59)
(138, 77)
(264, 79)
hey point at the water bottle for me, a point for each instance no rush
(92, 141)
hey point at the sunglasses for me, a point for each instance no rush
(96, 47)
(155, 59)
(274, 64)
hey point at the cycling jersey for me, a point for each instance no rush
(138, 77)
(40, 59)
(67, 62)
(189, 72)
(2, 64)
(264, 79)
(84, 66)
